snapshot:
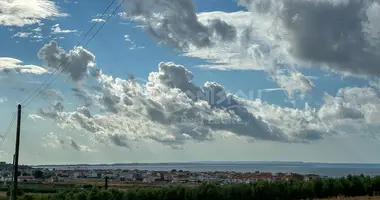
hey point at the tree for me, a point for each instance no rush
(25, 174)
(38, 174)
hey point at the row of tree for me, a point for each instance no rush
(261, 190)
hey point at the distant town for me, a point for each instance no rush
(29, 174)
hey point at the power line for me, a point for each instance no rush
(8, 130)
(55, 70)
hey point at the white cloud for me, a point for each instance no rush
(350, 111)
(35, 117)
(128, 39)
(78, 147)
(56, 30)
(292, 81)
(75, 63)
(37, 36)
(3, 100)
(347, 44)
(51, 140)
(247, 53)
(273, 35)
(161, 20)
(98, 20)
(229, 54)
(360, 105)
(38, 29)
(171, 110)
(21, 12)
(22, 34)
(14, 65)
(295, 122)
(241, 52)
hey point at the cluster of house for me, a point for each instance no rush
(174, 176)
(145, 176)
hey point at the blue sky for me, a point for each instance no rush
(305, 90)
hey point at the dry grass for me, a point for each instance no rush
(354, 198)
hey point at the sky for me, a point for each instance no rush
(190, 80)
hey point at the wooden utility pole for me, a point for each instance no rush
(106, 182)
(11, 184)
(17, 148)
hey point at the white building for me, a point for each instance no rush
(110, 175)
(168, 177)
(92, 174)
(26, 179)
(149, 179)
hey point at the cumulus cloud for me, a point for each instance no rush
(20, 12)
(352, 110)
(354, 104)
(175, 23)
(170, 109)
(292, 81)
(243, 52)
(75, 63)
(8, 65)
(56, 29)
(275, 36)
(340, 35)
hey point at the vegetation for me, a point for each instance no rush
(350, 186)
(354, 198)
(38, 174)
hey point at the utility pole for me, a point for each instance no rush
(11, 184)
(17, 148)
(106, 182)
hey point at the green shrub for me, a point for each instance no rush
(27, 197)
(260, 190)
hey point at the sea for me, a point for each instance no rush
(322, 169)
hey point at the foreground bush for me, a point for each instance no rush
(262, 190)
